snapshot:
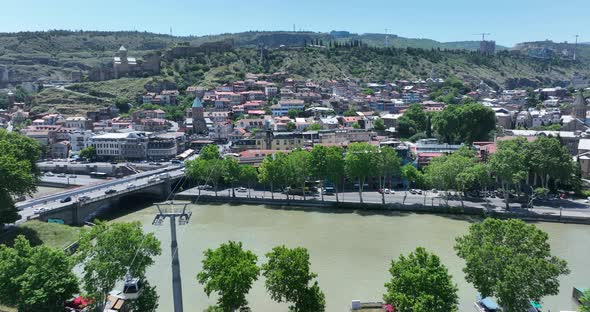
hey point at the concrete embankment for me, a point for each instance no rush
(416, 208)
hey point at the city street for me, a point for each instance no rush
(565, 207)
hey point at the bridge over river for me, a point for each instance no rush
(87, 201)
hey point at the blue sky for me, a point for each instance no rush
(509, 21)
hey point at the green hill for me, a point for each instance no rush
(57, 54)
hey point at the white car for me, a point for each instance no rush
(130, 185)
(241, 190)
(40, 210)
(49, 174)
(61, 175)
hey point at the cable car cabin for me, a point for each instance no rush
(131, 288)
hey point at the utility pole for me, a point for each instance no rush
(183, 217)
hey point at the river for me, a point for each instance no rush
(351, 252)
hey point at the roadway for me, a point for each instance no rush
(565, 207)
(52, 201)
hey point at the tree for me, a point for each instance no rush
(18, 172)
(288, 279)
(108, 252)
(208, 168)
(420, 283)
(314, 127)
(548, 159)
(379, 125)
(272, 171)
(293, 113)
(350, 112)
(360, 164)
(464, 123)
(414, 120)
(387, 166)
(355, 125)
(35, 278)
(231, 172)
(88, 152)
(510, 260)
(248, 175)
(229, 271)
(585, 302)
(298, 169)
(291, 126)
(509, 165)
(460, 171)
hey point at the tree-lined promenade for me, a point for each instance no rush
(519, 168)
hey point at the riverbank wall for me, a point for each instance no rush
(316, 204)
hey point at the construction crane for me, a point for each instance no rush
(483, 35)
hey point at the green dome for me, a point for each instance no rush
(197, 103)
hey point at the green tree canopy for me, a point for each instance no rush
(585, 302)
(466, 123)
(288, 277)
(379, 125)
(35, 278)
(414, 120)
(108, 252)
(88, 152)
(314, 127)
(229, 271)
(420, 283)
(360, 163)
(272, 171)
(510, 260)
(414, 176)
(18, 171)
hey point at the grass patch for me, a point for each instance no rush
(37, 232)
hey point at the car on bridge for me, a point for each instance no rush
(40, 210)
(84, 198)
(110, 191)
(66, 199)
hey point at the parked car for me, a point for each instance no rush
(66, 199)
(84, 198)
(175, 161)
(153, 179)
(241, 189)
(61, 175)
(204, 187)
(49, 174)
(130, 185)
(110, 191)
(73, 176)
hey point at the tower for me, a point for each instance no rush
(199, 124)
(122, 53)
(579, 107)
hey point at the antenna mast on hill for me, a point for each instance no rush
(576, 47)
(386, 37)
(483, 35)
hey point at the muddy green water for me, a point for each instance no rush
(350, 252)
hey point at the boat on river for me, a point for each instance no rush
(578, 293)
(488, 304)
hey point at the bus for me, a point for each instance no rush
(98, 175)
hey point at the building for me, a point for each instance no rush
(284, 106)
(161, 148)
(80, 139)
(579, 108)
(487, 47)
(78, 122)
(198, 118)
(128, 145)
(123, 65)
(60, 150)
